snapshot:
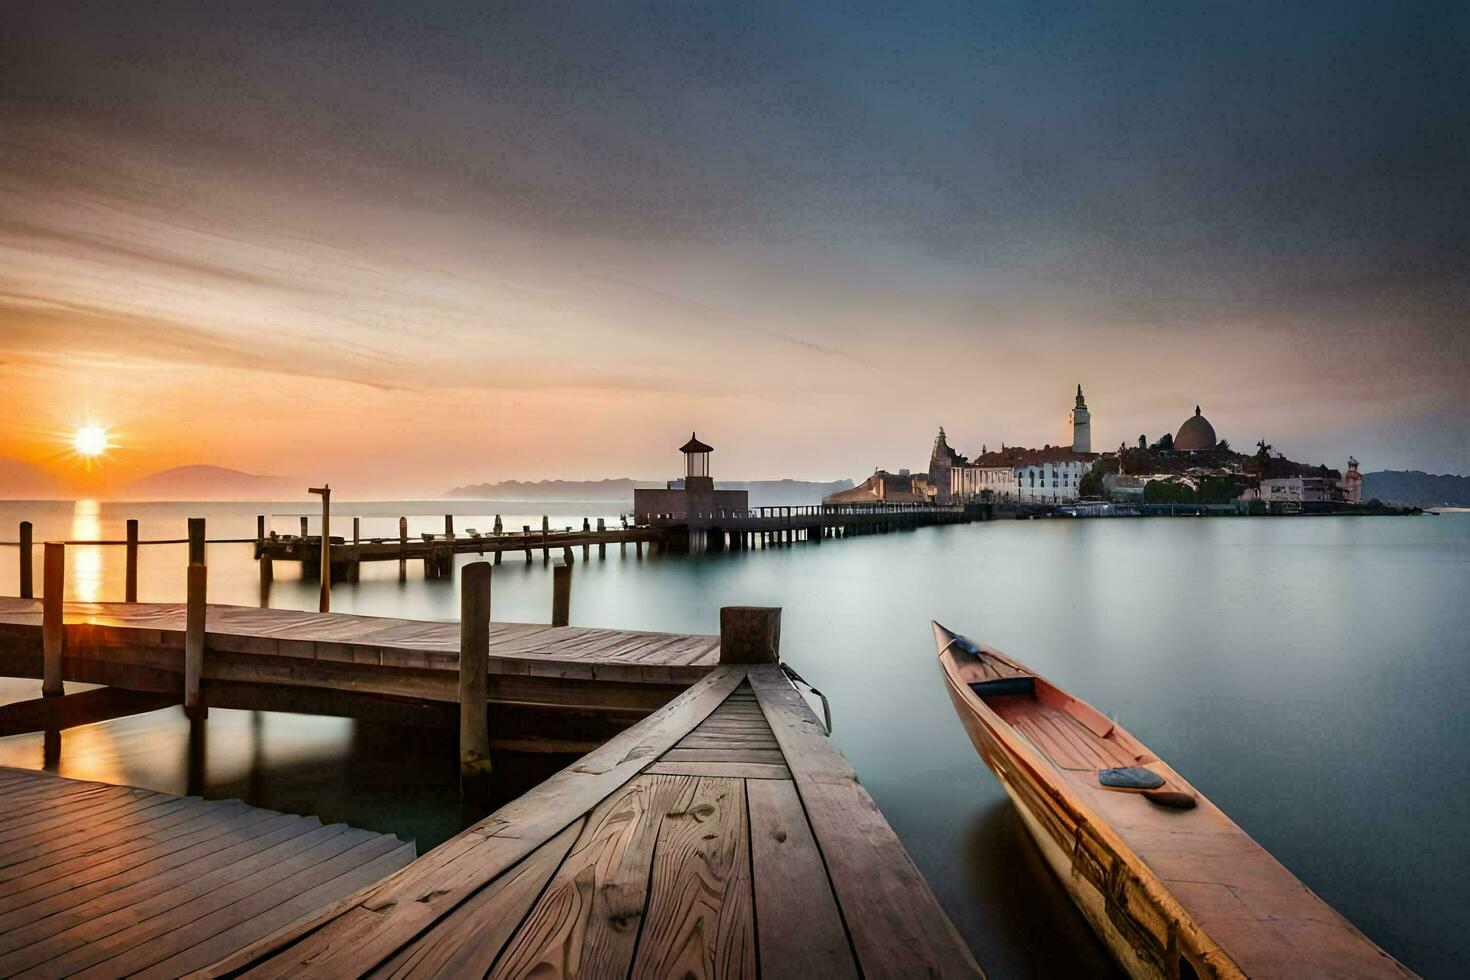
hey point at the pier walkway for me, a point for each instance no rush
(556, 689)
(722, 836)
(108, 881)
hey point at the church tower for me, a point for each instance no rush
(1081, 426)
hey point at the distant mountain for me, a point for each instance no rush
(213, 483)
(763, 493)
(23, 481)
(1417, 489)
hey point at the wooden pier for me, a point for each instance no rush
(103, 880)
(548, 689)
(722, 836)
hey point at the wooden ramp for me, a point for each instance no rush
(100, 880)
(721, 836)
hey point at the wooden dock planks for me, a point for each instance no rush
(100, 880)
(635, 861)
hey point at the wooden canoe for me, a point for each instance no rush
(1174, 888)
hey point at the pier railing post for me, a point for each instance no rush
(402, 548)
(27, 589)
(194, 621)
(130, 566)
(750, 634)
(324, 601)
(53, 632)
(561, 594)
(474, 667)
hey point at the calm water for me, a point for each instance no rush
(1309, 674)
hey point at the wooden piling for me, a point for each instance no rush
(449, 526)
(303, 526)
(130, 563)
(545, 543)
(324, 601)
(27, 589)
(260, 527)
(403, 546)
(194, 705)
(526, 540)
(750, 634)
(196, 541)
(474, 668)
(53, 633)
(566, 554)
(356, 530)
(561, 595)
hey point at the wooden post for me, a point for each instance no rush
(402, 548)
(750, 634)
(324, 602)
(260, 527)
(566, 554)
(303, 525)
(53, 632)
(561, 594)
(545, 539)
(357, 530)
(526, 540)
(130, 564)
(474, 668)
(27, 590)
(449, 526)
(196, 541)
(194, 640)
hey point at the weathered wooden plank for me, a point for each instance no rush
(99, 939)
(737, 770)
(700, 914)
(202, 954)
(587, 921)
(798, 926)
(468, 940)
(112, 910)
(182, 929)
(434, 885)
(897, 926)
(724, 754)
(60, 887)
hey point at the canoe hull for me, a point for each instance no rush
(1137, 934)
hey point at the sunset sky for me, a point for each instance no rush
(406, 246)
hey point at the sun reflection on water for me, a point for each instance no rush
(86, 561)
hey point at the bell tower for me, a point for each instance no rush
(1081, 421)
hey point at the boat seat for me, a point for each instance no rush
(1005, 685)
(1130, 777)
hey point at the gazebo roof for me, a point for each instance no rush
(695, 446)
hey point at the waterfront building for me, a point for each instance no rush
(1303, 490)
(1196, 435)
(941, 460)
(902, 487)
(1081, 421)
(1051, 474)
(696, 496)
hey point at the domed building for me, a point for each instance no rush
(1195, 435)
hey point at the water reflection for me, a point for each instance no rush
(86, 572)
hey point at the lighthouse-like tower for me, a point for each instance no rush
(1081, 426)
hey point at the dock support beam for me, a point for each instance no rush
(27, 590)
(561, 594)
(53, 633)
(194, 622)
(474, 668)
(750, 634)
(130, 567)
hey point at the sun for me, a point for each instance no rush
(91, 441)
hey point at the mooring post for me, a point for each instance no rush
(357, 530)
(561, 594)
(545, 539)
(324, 601)
(526, 540)
(27, 590)
(402, 548)
(474, 668)
(194, 620)
(53, 632)
(259, 527)
(566, 554)
(750, 634)
(449, 526)
(130, 563)
(303, 525)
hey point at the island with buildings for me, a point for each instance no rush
(1191, 466)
